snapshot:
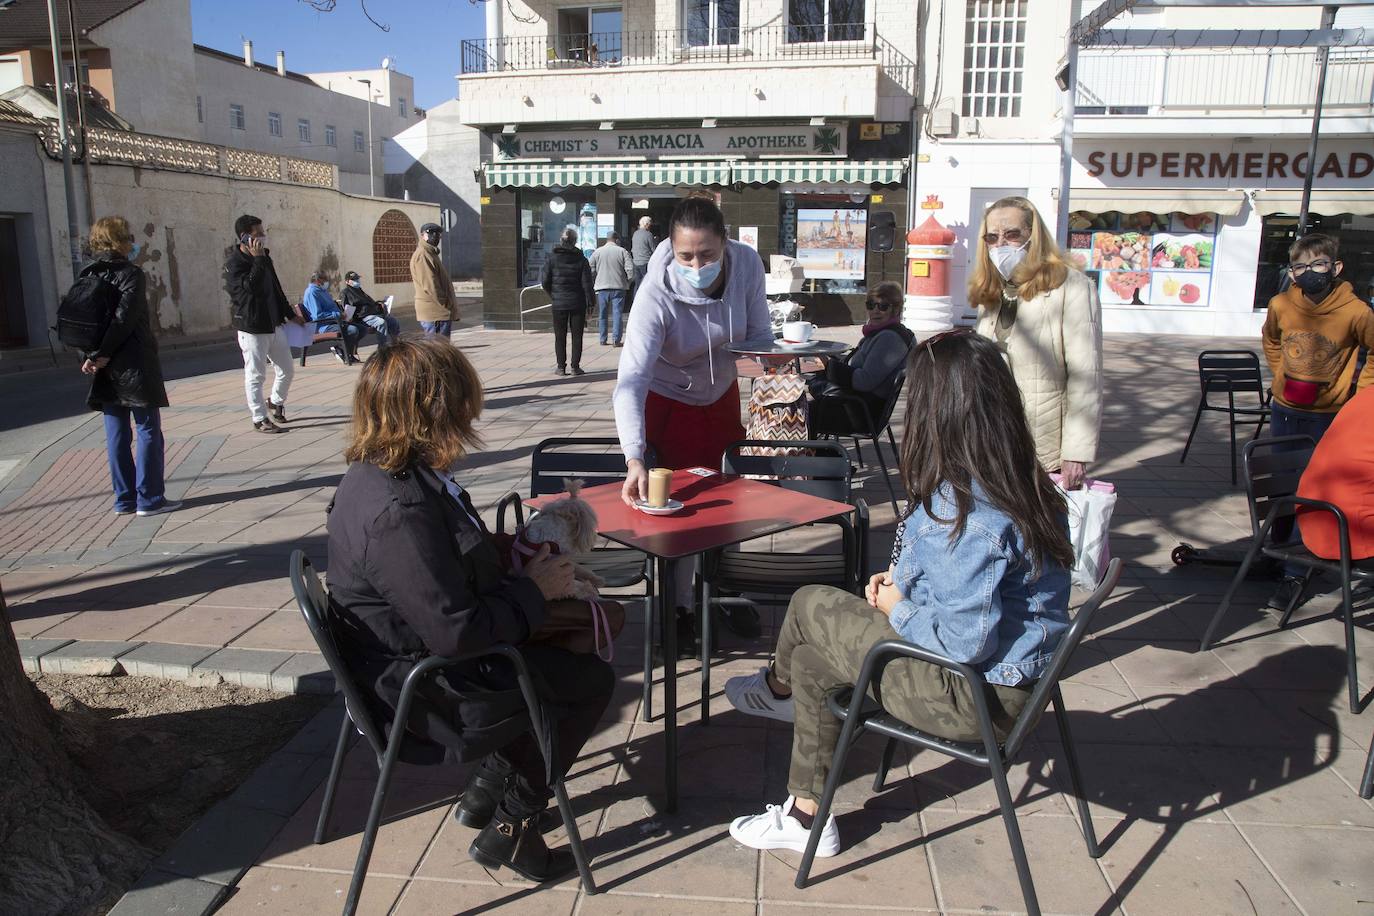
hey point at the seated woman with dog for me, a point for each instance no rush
(413, 572)
(980, 575)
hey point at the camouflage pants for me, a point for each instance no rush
(824, 639)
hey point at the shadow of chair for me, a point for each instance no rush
(320, 617)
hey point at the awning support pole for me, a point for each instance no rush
(1061, 228)
(1323, 54)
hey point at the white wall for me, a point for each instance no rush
(224, 82)
(154, 72)
(185, 224)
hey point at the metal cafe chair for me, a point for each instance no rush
(1229, 372)
(386, 743)
(861, 714)
(1271, 486)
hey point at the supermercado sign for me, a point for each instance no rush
(1258, 164)
(674, 142)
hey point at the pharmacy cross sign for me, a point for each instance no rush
(674, 142)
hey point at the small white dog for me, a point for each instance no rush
(568, 526)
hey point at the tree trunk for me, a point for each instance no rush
(58, 855)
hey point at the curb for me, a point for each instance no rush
(264, 669)
(200, 870)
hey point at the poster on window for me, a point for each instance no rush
(832, 243)
(1147, 258)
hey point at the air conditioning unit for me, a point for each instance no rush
(944, 122)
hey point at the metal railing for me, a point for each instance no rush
(840, 41)
(1156, 82)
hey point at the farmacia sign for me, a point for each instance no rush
(672, 142)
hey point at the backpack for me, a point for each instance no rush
(778, 409)
(86, 311)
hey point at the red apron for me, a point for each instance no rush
(689, 436)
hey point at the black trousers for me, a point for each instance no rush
(575, 690)
(563, 322)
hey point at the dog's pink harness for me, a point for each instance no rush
(522, 550)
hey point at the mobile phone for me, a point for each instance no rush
(245, 239)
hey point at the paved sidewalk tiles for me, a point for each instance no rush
(1222, 782)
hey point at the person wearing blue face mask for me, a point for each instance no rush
(677, 387)
(1046, 318)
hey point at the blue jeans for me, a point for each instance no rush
(136, 486)
(1289, 421)
(614, 299)
(387, 328)
(438, 328)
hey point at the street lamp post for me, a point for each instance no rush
(371, 173)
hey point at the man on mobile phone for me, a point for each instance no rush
(260, 308)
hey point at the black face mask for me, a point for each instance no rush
(1314, 283)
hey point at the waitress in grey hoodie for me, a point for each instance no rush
(677, 386)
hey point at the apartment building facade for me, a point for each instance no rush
(795, 114)
(1187, 164)
(139, 62)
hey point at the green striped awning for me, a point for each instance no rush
(820, 171)
(575, 174)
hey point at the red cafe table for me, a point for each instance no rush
(718, 511)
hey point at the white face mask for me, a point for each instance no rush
(1006, 259)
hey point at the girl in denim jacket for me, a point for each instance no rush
(980, 575)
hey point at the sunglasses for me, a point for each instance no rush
(931, 341)
(1012, 236)
(878, 306)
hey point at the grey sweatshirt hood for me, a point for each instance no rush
(677, 340)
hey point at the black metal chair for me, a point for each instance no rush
(1273, 468)
(594, 461)
(1229, 372)
(860, 714)
(824, 473)
(320, 617)
(873, 427)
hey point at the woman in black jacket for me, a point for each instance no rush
(127, 383)
(568, 281)
(413, 572)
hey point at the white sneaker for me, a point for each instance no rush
(751, 696)
(776, 828)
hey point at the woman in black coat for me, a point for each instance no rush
(127, 384)
(413, 572)
(568, 281)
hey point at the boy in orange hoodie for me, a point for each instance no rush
(1312, 339)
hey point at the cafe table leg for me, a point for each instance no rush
(669, 635)
(705, 618)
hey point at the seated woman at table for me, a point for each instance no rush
(413, 572)
(868, 372)
(980, 575)
(677, 388)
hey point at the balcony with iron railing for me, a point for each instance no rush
(607, 52)
(1196, 83)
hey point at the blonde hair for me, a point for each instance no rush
(110, 233)
(1045, 267)
(415, 404)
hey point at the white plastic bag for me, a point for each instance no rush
(1090, 516)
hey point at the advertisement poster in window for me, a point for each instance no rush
(1147, 258)
(832, 243)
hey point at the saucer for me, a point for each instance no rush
(796, 343)
(673, 506)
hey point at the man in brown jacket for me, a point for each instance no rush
(435, 306)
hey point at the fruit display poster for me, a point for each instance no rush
(1146, 259)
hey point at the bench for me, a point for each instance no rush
(315, 336)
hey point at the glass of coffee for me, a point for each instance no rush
(659, 480)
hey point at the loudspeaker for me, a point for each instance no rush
(882, 231)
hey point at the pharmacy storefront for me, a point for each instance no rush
(1191, 235)
(808, 191)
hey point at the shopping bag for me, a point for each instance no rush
(1090, 516)
(778, 409)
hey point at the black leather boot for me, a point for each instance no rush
(479, 801)
(519, 846)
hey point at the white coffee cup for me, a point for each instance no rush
(797, 331)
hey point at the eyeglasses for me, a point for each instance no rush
(1321, 266)
(878, 305)
(1011, 236)
(944, 335)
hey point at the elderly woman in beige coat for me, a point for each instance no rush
(1046, 317)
